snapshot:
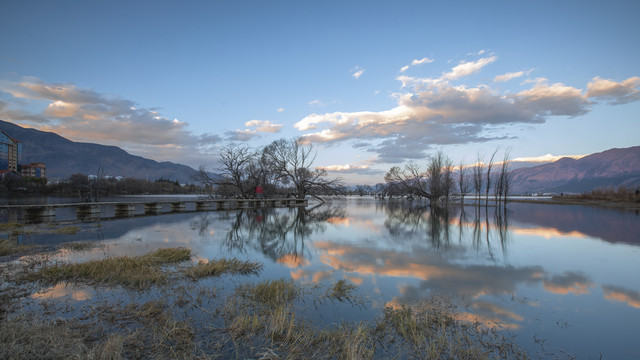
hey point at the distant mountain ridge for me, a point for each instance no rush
(614, 167)
(610, 168)
(65, 157)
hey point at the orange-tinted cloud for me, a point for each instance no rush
(624, 295)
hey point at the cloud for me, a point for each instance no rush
(316, 103)
(569, 282)
(546, 158)
(508, 76)
(357, 72)
(424, 60)
(264, 126)
(416, 62)
(466, 68)
(86, 115)
(361, 169)
(615, 92)
(241, 135)
(621, 294)
(431, 112)
(280, 109)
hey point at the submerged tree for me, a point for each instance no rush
(291, 163)
(435, 184)
(477, 172)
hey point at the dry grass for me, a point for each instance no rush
(271, 292)
(141, 331)
(341, 291)
(271, 319)
(67, 230)
(11, 247)
(221, 267)
(433, 330)
(136, 272)
(79, 246)
(10, 227)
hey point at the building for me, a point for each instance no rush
(10, 151)
(36, 170)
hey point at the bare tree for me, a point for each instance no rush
(291, 163)
(235, 171)
(502, 183)
(478, 171)
(409, 179)
(489, 178)
(435, 184)
(463, 181)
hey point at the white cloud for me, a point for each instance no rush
(416, 62)
(316, 103)
(546, 158)
(466, 68)
(280, 109)
(433, 112)
(616, 92)
(508, 76)
(86, 115)
(424, 60)
(264, 126)
(357, 72)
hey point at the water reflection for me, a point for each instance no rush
(282, 236)
(532, 268)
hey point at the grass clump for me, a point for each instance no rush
(223, 266)
(71, 230)
(137, 331)
(137, 272)
(433, 329)
(9, 247)
(10, 226)
(78, 246)
(271, 292)
(341, 291)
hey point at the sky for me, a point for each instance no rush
(369, 84)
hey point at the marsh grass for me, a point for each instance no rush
(221, 267)
(11, 247)
(10, 226)
(270, 319)
(144, 330)
(435, 331)
(341, 291)
(135, 272)
(79, 246)
(67, 230)
(271, 293)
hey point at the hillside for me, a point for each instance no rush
(65, 157)
(613, 167)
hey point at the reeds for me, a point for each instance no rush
(271, 292)
(221, 267)
(10, 247)
(137, 272)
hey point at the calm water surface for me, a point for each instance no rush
(558, 278)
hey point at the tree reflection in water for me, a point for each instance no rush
(277, 233)
(287, 232)
(408, 221)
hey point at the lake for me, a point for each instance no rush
(559, 279)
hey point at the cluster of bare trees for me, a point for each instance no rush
(439, 180)
(282, 167)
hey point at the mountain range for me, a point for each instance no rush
(64, 157)
(610, 168)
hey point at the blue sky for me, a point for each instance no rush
(371, 84)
